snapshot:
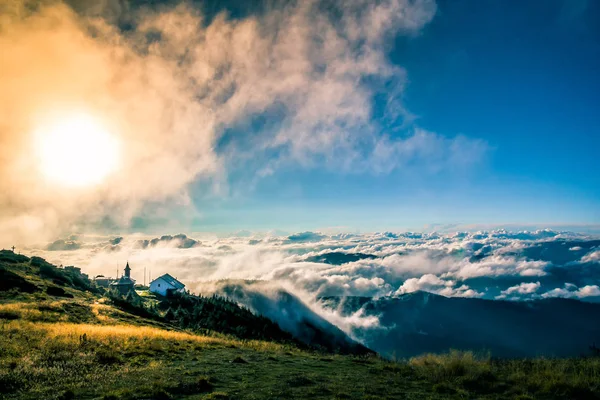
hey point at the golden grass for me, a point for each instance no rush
(100, 310)
(103, 333)
(130, 335)
(26, 311)
(451, 365)
(71, 332)
(454, 357)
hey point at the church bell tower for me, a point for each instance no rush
(127, 270)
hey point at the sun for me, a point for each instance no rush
(76, 150)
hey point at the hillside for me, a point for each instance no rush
(37, 280)
(62, 339)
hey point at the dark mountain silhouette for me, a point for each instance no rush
(423, 322)
(339, 258)
(180, 241)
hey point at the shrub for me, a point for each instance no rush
(11, 281)
(201, 385)
(455, 364)
(443, 388)
(12, 258)
(11, 382)
(107, 356)
(159, 392)
(298, 381)
(218, 396)
(58, 292)
(9, 315)
(67, 395)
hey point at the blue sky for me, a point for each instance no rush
(302, 115)
(522, 78)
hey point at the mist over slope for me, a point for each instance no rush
(290, 313)
(297, 271)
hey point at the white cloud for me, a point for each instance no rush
(431, 283)
(571, 291)
(403, 263)
(517, 292)
(170, 100)
(593, 256)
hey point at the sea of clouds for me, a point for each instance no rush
(497, 264)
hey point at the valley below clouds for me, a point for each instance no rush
(312, 275)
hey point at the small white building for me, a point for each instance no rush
(166, 284)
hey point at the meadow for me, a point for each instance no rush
(79, 344)
(45, 356)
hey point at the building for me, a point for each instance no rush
(103, 281)
(165, 285)
(125, 284)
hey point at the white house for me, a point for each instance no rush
(166, 284)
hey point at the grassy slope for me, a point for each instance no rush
(80, 347)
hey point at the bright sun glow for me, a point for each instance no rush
(77, 151)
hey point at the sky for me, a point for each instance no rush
(351, 116)
(521, 79)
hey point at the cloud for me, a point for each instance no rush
(591, 257)
(63, 245)
(483, 264)
(516, 292)
(178, 89)
(431, 283)
(571, 291)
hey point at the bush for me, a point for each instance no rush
(456, 364)
(11, 382)
(299, 381)
(10, 257)
(67, 395)
(159, 392)
(443, 388)
(11, 281)
(218, 396)
(9, 315)
(58, 292)
(107, 356)
(201, 385)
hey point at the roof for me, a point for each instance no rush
(123, 281)
(171, 281)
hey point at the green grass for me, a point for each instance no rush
(53, 347)
(53, 360)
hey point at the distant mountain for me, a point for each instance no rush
(339, 258)
(422, 322)
(180, 241)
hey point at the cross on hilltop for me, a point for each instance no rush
(13, 249)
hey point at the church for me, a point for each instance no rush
(125, 284)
